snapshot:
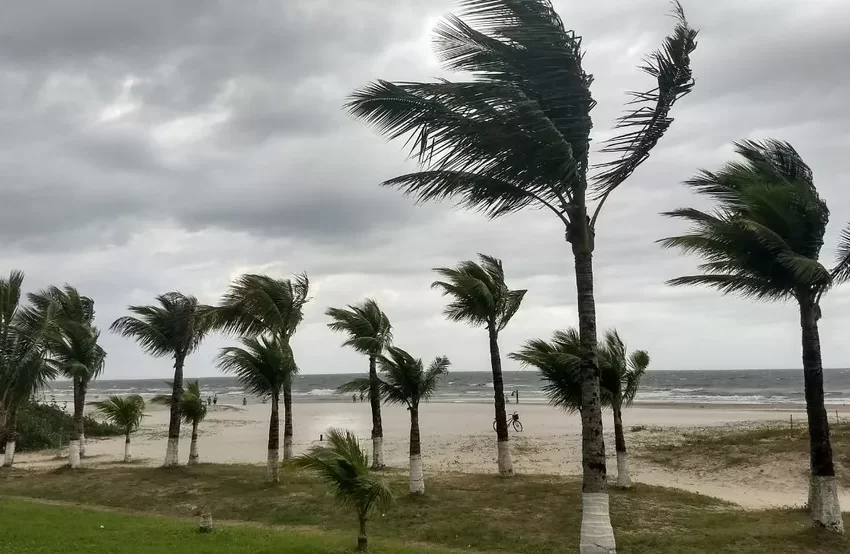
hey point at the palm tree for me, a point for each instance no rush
(480, 297)
(125, 412)
(406, 382)
(345, 467)
(620, 376)
(763, 241)
(71, 340)
(259, 304)
(559, 364)
(369, 332)
(175, 327)
(23, 368)
(517, 134)
(193, 410)
(263, 367)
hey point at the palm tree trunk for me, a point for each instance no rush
(84, 389)
(417, 478)
(287, 420)
(823, 490)
(193, 447)
(623, 478)
(11, 435)
(127, 453)
(597, 534)
(377, 427)
(171, 457)
(77, 427)
(506, 467)
(274, 441)
(362, 541)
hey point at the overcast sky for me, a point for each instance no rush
(173, 145)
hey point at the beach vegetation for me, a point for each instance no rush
(193, 410)
(125, 412)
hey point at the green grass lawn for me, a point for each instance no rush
(477, 513)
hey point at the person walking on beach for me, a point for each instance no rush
(361, 397)
(354, 398)
(215, 400)
(244, 401)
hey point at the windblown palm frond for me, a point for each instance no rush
(765, 235)
(257, 304)
(479, 293)
(619, 373)
(175, 327)
(405, 380)
(124, 411)
(368, 328)
(343, 465)
(262, 366)
(558, 363)
(841, 272)
(193, 409)
(518, 133)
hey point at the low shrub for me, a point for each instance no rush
(42, 426)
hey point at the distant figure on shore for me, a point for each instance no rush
(516, 394)
(361, 397)
(354, 398)
(215, 400)
(209, 401)
(244, 401)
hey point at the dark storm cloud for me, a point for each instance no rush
(151, 146)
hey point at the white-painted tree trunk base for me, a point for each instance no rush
(417, 475)
(74, 454)
(273, 465)
(378, 453)
(128, 454)
(194, 458)
(287, 448)
(506, 466)
(9, 458)
(823, 503)
(597, 535)
(82, 444)
(623, 478)
(171, 459)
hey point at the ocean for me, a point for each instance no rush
(778, 386)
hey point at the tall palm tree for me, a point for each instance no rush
(263, 367)
(23, 368)
(71, 339)
(369, 332)
(763, 241)
(620, 374)
(260, 304)
(345, 467)
(125, 412)
(406, 382)
(193, 410)
(517, 134)
(480, 297)
(175, 328)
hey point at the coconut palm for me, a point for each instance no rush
(559, 364)
(343, 465)
(124, 411)
(23, 368)
(620, 374)
(762, 241)
(263, 367)
(175, 328)
(259, 304)
(405, 381)
(193, 410)
(369, 332)
(71, 340)
(480, 297)
(517, 134)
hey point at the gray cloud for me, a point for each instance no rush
(156, 146)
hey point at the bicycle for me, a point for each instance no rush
(513, 421)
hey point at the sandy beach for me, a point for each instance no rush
(459, 437)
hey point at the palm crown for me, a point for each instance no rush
(124, 411)
(620, 373)
(368, 328)
(479, 293)
(262, 366)
(765, 235)
(192, 406)
(518, 133)
(175, 327)
(405, 379)
(256, 304)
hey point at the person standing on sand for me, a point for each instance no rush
(215, 400)
(354, 398)
(244, 401)
(361, 397)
